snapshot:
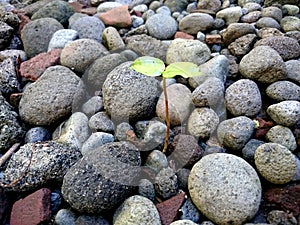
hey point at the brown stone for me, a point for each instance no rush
(33, 68)
(169, 209)
(76, 6)
(180, 34)
(262, 128)
(33, 209)
(117, 17)
(213, 39)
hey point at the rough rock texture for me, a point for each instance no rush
(225, 188)
(195, 22)
(61, 37)
(8, 78)
(236, 30)
(166, 184)
(283, 90)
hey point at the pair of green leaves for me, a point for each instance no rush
(153, 67)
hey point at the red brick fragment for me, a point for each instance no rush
(33, 209)
(168, 210)
(118, 17)
(180, 34)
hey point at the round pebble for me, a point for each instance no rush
(96, 140)
(101, 122)
(292, 10)
(37, 134)
(189, 211)
(292, 72)
(183, 222)
(92, 106)
(230, 15)
(249, 150)
(275, 163)
(273, 12)
(65, 216)
(290, 23)
(121, 131)
(195, 22)
(283, 90)
(156, 160)
(112, 39)
(166, 184)
(267, 22)
(62, 37)
(225, 188)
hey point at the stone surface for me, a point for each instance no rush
(183, 222)
(37, 134)
(8, 78)
(156, 160)
(283, 90)
(51, 97)
(166, 184)
(292, 72)
(249, 150)
(213, 5)
(195, 22)
(117, 17)
(65, 216)
(236, 30)
(267, 22)
(34, 209)
(242, 45)
(176, 6)
(275, 163)
(96, 140)
(112, 39)
(189, 211)
(225, 188)
(230, 15)
(278, 216)
(62, 37)
(91, 220)
(146, 189)
(290, 23)
(101, 122)
(93, 105)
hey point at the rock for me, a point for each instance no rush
(136, 210)
(62, 37)
(275, 163)
(116, 166)
(13, 54)
(189, 211)
(37, 134)
(185, 151)
(292, 72)
(290, 23)
(234, 133)
(6, 33)
(185, 50)
(92, 106)
(183, 222)
(96, 74)
(273, 12)
(176, 6)
(101, 122)
(117, 17)
(277, 217)
(146, 189)
(242, 98)
(76, 16)
(179, 104)
(65, 216)
(37, 34)
(146, 45)
(8, 78)
(49, 163)
(121, 131)
(270, 68)
(106, 6)
(157, 161)
(230, 15)
(96, 140)
(51, 97)
(166, 184)
(112, 39)
(10, 18)
(269, 32)
(217, 67)
(89, 27)
(129, 95)
(288, 48)
(251, 17)
(282, 135)
(225, 188)
(33, 68)
(244, 2)
(58, 9)
(249, 149)
(236, 30)
(33, 209)
(282, 2)
(242, 45)
(182, 178)
(283, 90)
(168, 210)
(213, 5)
(195, 22)
(292, 10)
(91, 220)
(79, 54)
(202, 122)
(11, 130)
(285, 113)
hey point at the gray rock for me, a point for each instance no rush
(91, 220)
(213, 5)
(156, 160)
(62, 37)
(65, 217)
(164, 10)
(252, 6)
(51, 97)
(290, 23)
(275, 163)
(187, 50)
(79, 54)
(146, 189)
(121, 131)
(251, 17)
(74, 131)
(269, 32)
(230, 15)
(283, 90)
(242, 98)
(278, 216)
(10, 18)
(106, 6)
(37, 34)
(137, 21)
(101, 122)
(236, 30)
(137, 210)
(37, 134)
(195, 22)
(234, 133)
(96, 140)
(182, 178)
(58, 9)
(112, 39)
(13, 53)
(242, 45)
(282, 2)
(288, 48)
(11, 131)
(129, 95)
(176, 6)
(183, 222)
(273, 12)
(263, 64)
(6, 33)
(217, 67)
(115, 165)
(147, 45)
(189, 211)
(267, 22)
(293, 34)
(96, 74)
(8, 78)
(161, 26)
(129, 55)
(282, 135)
(75, 17)
(49, 163)
(225, 188)
(285, 113)
(292, 72)
(179, 97)
(92, 106)
(89, 27)
(244, 2)
(249, 150)
(292, 10)
(202, 122)
(166, 184)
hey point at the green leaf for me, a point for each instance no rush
(148, 65)
(184, 69)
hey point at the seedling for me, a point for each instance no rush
(154, 67)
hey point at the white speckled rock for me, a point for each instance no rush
(61, 37)
(275, 163)
(225, 188)
(231, 14)
(137, 210)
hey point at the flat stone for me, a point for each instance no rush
(117, 17)
(195, 22)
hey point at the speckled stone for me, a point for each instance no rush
(8, 78)
(156, 160)
(65, 216)
(6, 33)
(189, 211)
(236, 30)
(275, 163)
(231, 14)
(242, 45)
(91, 220)
(283, 90)
(290, 23)
(61, 37)
(195, 22)
(278, 216)
(101, 122)
(96, 140)
(286, 113)
(146, 189)
(225, 188)
(267, 22)
(166, 184)
(249, 150)
(269, 32)
(136, 210)
(121, 131)
(112, 39)
(37, 134)
(292, 70)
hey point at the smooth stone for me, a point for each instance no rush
(251, 17)
(249, 150)
(176, 6)
(273, 12)
(164, 10)
(112, 39)
(106, 6)
(182, 178)
(213, 5)
(166, 184)
(230, 15)
(292, 70)
(267, 22)
(96, 140)
(76, 16)
(37, 134)
(283, 90)
(121, 131)
(62, 37)
(290, 23)
(101, 122)
(252, 6)
(244, 2)
(137, 21)
(292, 10)
(275, 163)
(156, 160)
(225, 188)
(91, 220)
(146, 189)
(195, 22)
(65, 216)
(92, 106)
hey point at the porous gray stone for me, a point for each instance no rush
(137, 210)
(189, 211)
(166, 184)
(225, 188)
(49, 163)
(242, 98)
(8, 78)
(51, 97)
(96, 140)
(129, 95)
(62, 37)
(290, 23)
(292, 72)
(195, 22)
(6, 33)
(146, 189)
(236, 30)
(91, 220)
(101, 122)
(242, 45)
(115, 165)
(283, 90)
(234, 133)
(275, 163)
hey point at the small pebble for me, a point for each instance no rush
(92, 106)
(121, 131)
(146, 189)
(189, 211)
(65, 216)
(96, 140)
(283, 90)
(37, 134)
(166, 184)
(249, 150)
(156, 160)
(101, 122)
